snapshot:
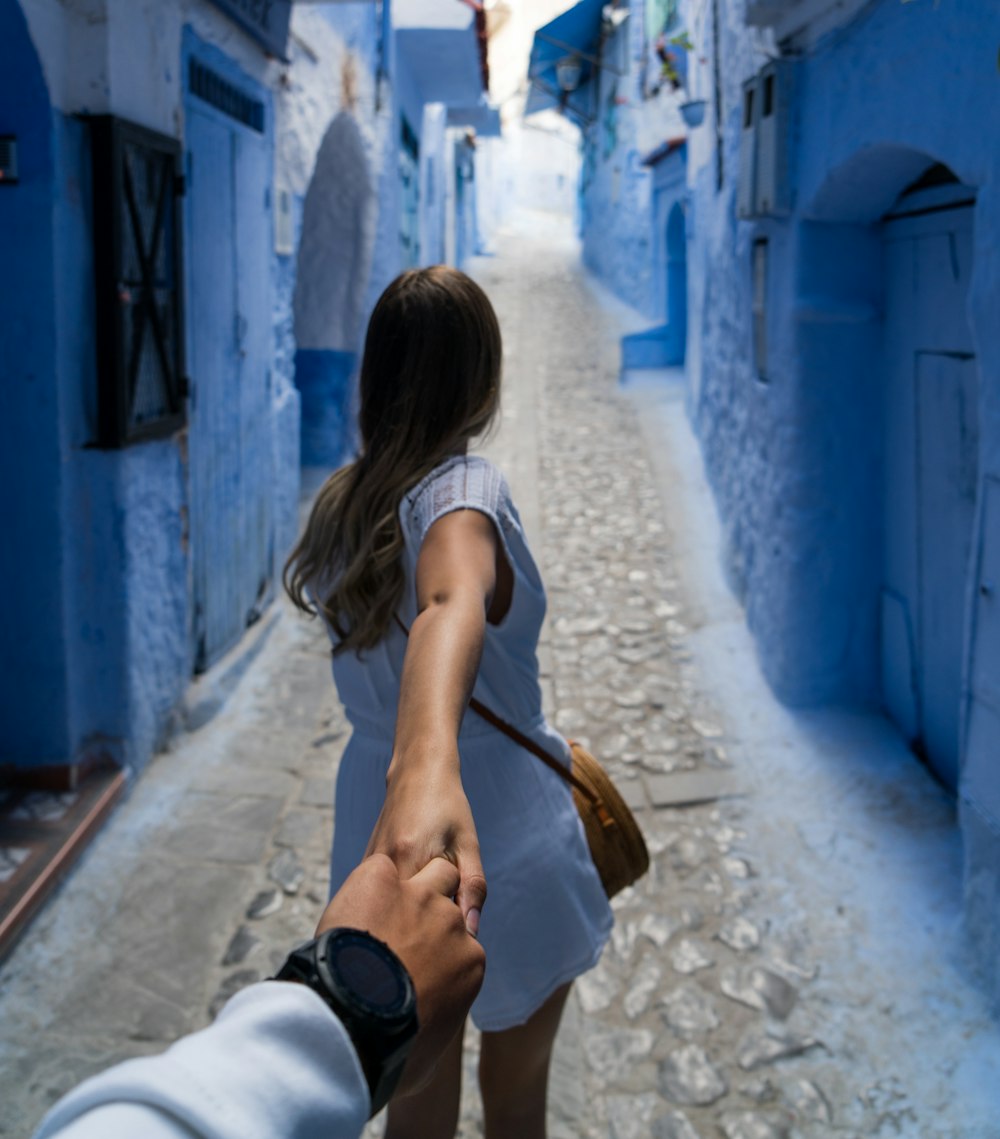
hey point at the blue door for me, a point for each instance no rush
(931, 462)
(229, 327)
(677, 283)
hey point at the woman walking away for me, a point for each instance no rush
(416, 559)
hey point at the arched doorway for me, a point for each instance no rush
(334, 262)
(677, 282)
(930, 461)
(34, 654)
(887, 407)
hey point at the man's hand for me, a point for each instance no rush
(421, 924)
(425, 816)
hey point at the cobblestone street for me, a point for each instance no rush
(790, 968)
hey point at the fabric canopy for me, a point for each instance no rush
(576, 33)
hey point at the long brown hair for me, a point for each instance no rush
(430, 383)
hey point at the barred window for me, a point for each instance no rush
(137, 250)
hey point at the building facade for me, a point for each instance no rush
(842, 273)
(199, 203)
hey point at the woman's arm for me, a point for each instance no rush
(426, 813)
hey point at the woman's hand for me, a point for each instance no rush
(426, 815)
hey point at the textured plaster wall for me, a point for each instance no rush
(111, 655)
(333, 106)
(620, 244)
(796, 461)
(123, 56)
(125, 594)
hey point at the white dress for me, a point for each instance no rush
(546, 917)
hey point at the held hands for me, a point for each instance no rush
(419, 922)
(426, 815)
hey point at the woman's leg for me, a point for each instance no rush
(432, 1112)
(514, 1073)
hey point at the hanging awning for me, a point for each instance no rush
(441, 43)
(575, 34)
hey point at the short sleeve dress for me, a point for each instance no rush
(546, 918)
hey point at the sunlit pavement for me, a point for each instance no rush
(792, 964)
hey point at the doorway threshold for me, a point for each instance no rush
(43, 834)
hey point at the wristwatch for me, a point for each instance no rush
(370, 991)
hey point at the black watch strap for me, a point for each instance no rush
(382, 1046)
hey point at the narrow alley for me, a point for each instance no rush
(792, 964)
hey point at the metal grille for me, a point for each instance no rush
(137, 262)
(224, 96)
(146, 275)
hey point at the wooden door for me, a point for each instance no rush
(231, 454)
(931, 456)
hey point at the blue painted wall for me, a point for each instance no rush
(621, 199)
(97, 656)
(34, 695)
(799, 462)
(126, 610)
(802, 456)
(325, 379)
(794, 461)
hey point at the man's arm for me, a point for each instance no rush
(277, 1061)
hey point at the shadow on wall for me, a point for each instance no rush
(334, 262)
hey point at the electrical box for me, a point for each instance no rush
(8, 159)
(774, 113)
(746, 190)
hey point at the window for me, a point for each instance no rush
(759, 309)
(768, 108)
(137, 262)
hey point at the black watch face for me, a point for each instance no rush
(368, 973)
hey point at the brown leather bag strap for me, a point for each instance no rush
(528, 744)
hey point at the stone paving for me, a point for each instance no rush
(709, 1016)
(693, 1020)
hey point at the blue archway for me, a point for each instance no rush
(34, 697)
(334, 263)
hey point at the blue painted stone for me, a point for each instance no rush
(660, 347)
(323, 377)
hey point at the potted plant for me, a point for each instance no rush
(673, 69)
(693, 112)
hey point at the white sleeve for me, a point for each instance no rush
(276, 1062)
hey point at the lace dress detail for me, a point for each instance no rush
(465, 482)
